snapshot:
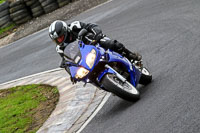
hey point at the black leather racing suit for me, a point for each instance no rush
(76, 26)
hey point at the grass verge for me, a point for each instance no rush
(2, 30)
(1, 1)
(7, 30)
(26, 108)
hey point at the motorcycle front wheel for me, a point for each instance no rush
(124, 90)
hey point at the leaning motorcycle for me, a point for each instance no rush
(105, 69)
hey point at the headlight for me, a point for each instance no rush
(82, 72)
(91, 58)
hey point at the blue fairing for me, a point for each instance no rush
(85, 50)
(134, 73)
(73, 70)
(109, 56)
(115, 57)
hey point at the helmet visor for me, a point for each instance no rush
(60, 39)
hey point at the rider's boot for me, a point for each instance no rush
(120, 48)
(133, 57)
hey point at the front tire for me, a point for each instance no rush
(124, 90)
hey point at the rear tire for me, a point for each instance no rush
(4, 13)
(16, 8)
(36, 9)
(4, 20)
(18, 13)
(24, 20)
(30, 2)
(16, 3)
(124, 90)
(36, 5)
(4, 6)
(37, 14)
(51, 7)
(47, 2)
(61, 4)
(146, 77)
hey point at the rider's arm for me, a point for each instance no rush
(60, 50)
(77, 26)
(93, 28)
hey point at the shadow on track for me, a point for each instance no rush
(119, 105)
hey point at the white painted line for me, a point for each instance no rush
(57, 69)
(94, 113)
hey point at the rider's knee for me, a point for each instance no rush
(119, 47)
(112, 44)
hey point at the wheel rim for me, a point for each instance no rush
(126, 86)
(145, 71)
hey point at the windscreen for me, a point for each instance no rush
(72, 52)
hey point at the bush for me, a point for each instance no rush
(1, 1)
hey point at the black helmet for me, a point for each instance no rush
(58, 31)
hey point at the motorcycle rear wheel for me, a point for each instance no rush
(124, 90)
(146, 77)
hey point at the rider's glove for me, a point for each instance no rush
(62, 64)
(98, 37)
(82, 33)
(72, 80)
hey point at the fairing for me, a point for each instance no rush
(85, 50)
(109, 56)
(115, 57)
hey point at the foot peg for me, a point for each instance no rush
(138, 63)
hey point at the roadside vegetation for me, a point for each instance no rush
(26, 108)
(1, 1)
(7, 30)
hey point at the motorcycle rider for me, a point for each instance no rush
(62, 34)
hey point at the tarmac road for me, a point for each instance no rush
(166, 33)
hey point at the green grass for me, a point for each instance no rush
(17, 107)
(1, 1)
(2, 30)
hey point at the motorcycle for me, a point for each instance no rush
(105, 69)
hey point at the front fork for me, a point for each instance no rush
(116, 73)
(119, 76)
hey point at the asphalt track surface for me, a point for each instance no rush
(166, 33)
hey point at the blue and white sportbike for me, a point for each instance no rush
(105, 69)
